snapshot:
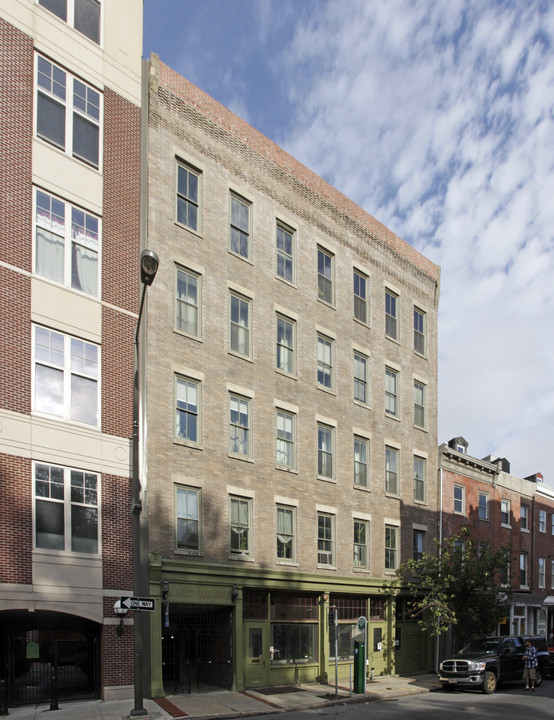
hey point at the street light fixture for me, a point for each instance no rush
(148, 268)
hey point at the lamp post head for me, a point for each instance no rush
(148, 266)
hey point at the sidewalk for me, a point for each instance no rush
(233, 704)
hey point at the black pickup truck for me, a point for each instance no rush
(484, 663)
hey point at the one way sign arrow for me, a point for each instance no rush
(136, 603)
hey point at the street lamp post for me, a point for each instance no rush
(148, 268)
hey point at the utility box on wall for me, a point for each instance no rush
(359, 667)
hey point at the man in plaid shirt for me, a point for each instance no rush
(530, 664)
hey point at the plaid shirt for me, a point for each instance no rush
(530, 657)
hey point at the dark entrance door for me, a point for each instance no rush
(196, 649)
(48, 657)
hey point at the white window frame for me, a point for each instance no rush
(420, 331)
(70, 18)
(287, 536)
(242, 528)
(391, 549)
(84, 233)
(460, 501)
(391, 314)
(68, 501)
(361, 464)
(237, 227)
(51, 362)
(235, 424)
(542, 521)
(360, 558)
(483, 506)
(283, 258)
(420, 404)
(326, 541)
(420, 479)
(188, 409)
(392, 378)
(185, 198)
(71, 102)
(505, 510)
(361, 381)
(237, 328)
(325, 276)
(188, 316)
(541, 573)
(524, 517)
(524, 569)
(188, 514)
(285, 438)
(392, 470)
(284, 351)
(325, 362)
(361, 296)
(325, 451)
(420, 535)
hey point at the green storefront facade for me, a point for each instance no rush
(234, 627)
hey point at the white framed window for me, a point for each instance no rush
(66, 509)
(285, 252)
(189, 514)
(325, 539)
(187, 301)
(505, 513)
(459, 499)
(542, 573)
(187, 410)
(391, 392)
(240, 526)
(391, 547)
(325, 451)
(189, 192)
(524, 517)
(361, 461)
(325, 276)
(391, 471)
(420, 329)
(325, 362)
(483, 506)
(418, 544)
(240, 339)
(361, 297)
(361, 544)
(391, 314)
(420, 416)
(286, 343)
(83, 15)
(67, 243)
(285, 441)
(542, 521)
(286, 533)
(239, 230)
(240, 444)
(523, 572)
(420, 483)
(68, 112)
(66, 376)
(361, 363)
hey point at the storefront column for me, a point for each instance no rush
(324, 630)
(238, 640)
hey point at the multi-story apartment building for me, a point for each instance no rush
(505, 511)
(70, 116)
(292, 410)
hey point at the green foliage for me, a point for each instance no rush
(459, 587)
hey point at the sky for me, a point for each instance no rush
(436, 117)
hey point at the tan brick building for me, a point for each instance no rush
(69, 252)
(291, 409)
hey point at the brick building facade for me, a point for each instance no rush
(292, 410)
(69, 246)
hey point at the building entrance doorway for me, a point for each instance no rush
(196, 649)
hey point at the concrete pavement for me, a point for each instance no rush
(232, 704)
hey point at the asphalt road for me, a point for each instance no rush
(510, 701)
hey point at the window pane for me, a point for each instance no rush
(85, 139)
(83, 400)
(187, 302)
(84, 529)
(50, 525)
(51, 120)
(87, 18)
(49, 390)
(58, 7)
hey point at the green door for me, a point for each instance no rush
(256, 661)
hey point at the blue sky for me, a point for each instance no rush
(438, 119)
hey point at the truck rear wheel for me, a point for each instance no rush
(538, 677)
(489, 683)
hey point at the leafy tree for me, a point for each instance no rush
(459, 587)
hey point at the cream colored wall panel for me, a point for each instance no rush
(15, 433)
(65, 310)
(69, 178)
(64, 574)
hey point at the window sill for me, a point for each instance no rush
(183, 333)
(484, 519)
(185, 443)
(284, 373)
(238, 355)
(360, 570)
(332, 306)
(326, 567)
(420, 427)
(188, 553)
(188, 229)
(323, 478)
(396, 496)
(361, 322)
(363, 488)
(362, 404)
(241, 558)
(396, 341)
(241, 257)
(420, 502)
(329, 391)
(287, 563)
(283, 468)
(507, 527)
(240, 457)
(525, 530)
(392, 417)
